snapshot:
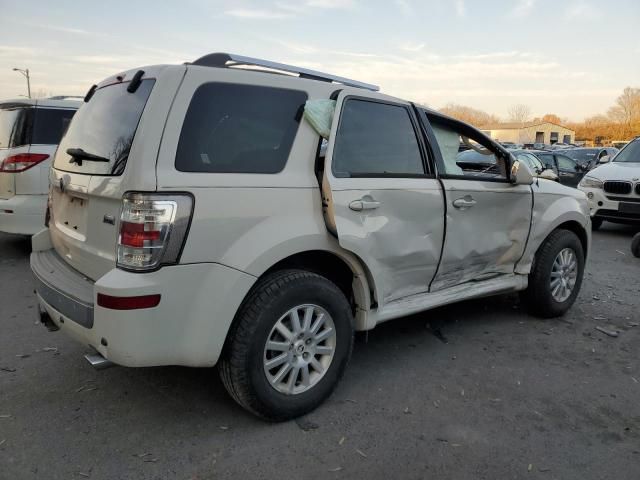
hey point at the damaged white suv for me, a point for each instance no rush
(195, 219)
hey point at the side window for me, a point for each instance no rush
(49, 125)
(566, 164)
(547, 159)
(465, 153)
(231, 128)
(375, 139)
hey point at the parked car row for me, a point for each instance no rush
(30, 131)
(194, 218)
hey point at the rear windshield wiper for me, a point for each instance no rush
(78, 155)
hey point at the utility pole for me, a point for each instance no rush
(26, 74)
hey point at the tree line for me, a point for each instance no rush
(620, 122)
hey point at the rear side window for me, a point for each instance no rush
(13, 131)
(231, 128)
(49, 125)
(104, 127)
(565, 163)
(375, 139)
(547, 159)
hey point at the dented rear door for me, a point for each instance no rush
(380, 199)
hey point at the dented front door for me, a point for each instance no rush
(487, 229)
(379, 198)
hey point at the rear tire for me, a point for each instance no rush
(596, 223)
(556, 276)
(274, 333)
(635, 245)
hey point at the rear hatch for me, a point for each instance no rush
(110, 148)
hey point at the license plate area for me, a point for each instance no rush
(626, 207)
(70, 214)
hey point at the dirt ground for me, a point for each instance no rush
(478, 390)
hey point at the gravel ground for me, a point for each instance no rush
(478, 390)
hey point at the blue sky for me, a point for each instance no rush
(572, 57)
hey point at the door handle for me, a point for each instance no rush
(364, 204)
(464, 202)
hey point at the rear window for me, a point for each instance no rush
(49, 125)
(105, 127)
(231, 128)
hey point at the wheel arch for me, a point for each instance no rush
(347, 271)
(579, 230)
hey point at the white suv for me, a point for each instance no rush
(30, 131)
(195, 219)
(613, 188)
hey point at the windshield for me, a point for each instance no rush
(104, 127)
(630, 153)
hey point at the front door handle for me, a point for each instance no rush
(364, 204)
(465, 202)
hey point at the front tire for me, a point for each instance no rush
(289, 345)
(556, 276)
(635, 245)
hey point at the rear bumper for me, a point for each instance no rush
(23, 214)
(188, 327)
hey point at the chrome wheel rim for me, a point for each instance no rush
(563, 275)
(299, 349)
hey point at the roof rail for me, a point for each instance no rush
(63, 97)
(225, 60)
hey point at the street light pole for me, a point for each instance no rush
(26, 74)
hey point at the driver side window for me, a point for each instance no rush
(465, 153)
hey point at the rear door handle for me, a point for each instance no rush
(464, 202)
(364, 204)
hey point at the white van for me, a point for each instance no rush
(30, 131)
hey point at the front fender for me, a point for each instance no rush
(554, 205)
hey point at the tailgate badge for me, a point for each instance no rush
(109, 219)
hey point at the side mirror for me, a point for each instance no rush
(549, 175)
(604, 159)
(520, 173)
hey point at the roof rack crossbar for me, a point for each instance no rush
(224, 60)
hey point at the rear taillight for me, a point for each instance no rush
(153, 228)
(22, 161)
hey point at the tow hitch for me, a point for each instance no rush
(45, 319)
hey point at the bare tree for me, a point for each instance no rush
(553, 118)
(519, 113)
(475, 117)
(627, 107)
(42, 93)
